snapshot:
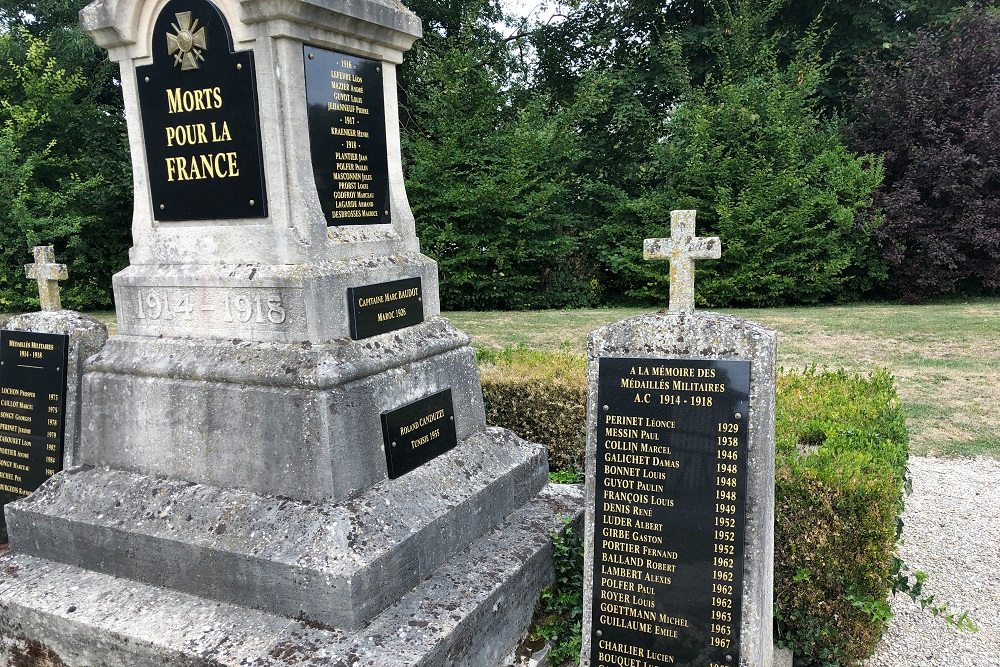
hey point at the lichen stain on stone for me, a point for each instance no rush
(32, 653)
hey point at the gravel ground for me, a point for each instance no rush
(952, 532)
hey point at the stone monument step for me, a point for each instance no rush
(295, 420)
(470, 613)
(334, 564)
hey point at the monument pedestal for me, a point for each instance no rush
(469, 613)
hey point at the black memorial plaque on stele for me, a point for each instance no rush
(383, 307)
(32, 410)
(347, 137)
(417, 432)
(200, 121)
(670, 499)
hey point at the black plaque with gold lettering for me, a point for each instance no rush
(670, 499)
(418, 432)
(347, 137)
(32, 410)
(383, 307)
(198, 102)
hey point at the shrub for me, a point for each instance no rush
(64, 176)
(540, 396)
(489, 181)
(841, 446)
(841, 452)
(935, 113)
(768, 174)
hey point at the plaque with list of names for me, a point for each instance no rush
(383, 307)
(201, 129)
(32, 410)
(417, 432)
(670, 502)
(347, 137)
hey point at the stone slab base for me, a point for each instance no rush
(334, 564)
(470, 613)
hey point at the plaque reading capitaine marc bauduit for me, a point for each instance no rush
(670, 498)
(347, 136)
(200, 124)
(383, 307)
(32, 410)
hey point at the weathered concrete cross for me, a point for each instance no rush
(682, 248)
(48, 274)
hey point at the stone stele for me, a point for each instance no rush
(704, 335)
(231, 505)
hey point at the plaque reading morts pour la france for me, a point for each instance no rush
(32, 410)
(669, 515)
(198, 102)
(347, 137)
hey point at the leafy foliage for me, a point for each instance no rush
(540, 396)
(936, 116)
(841, 444)
(64, 175)
(489, 178)
(855, 32)
(767, 174)
(559, 614)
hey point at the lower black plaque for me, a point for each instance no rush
(417, 432)
(384, 307)
(32, 410)
(670, 501)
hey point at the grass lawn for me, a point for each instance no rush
(946, 357)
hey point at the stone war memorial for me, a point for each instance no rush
(282, 457)
(679, 552)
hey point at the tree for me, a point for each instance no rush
(935, 114)
(64, 175)
(855, 32)
(489, 185)
(768, 174)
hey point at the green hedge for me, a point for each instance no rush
(841, 446)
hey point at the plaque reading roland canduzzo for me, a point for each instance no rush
(669, 512)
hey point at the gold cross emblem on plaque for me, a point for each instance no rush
(188, 44)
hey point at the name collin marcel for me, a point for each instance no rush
(222, 164)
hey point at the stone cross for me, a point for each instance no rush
(48, 274)
(682, 248)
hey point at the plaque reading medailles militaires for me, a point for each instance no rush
(384, 307)
(32, 410)
(417, 432)
(198, 102)
(669, 512)
(347, 137)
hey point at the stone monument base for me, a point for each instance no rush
(471, 611)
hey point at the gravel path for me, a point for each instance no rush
(952, 532)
